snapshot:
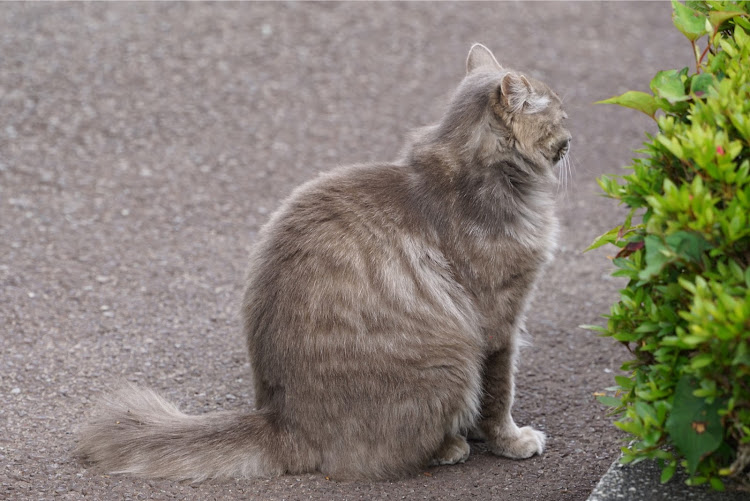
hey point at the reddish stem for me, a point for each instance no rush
(708, 47)
(695, 54)
(703, 54)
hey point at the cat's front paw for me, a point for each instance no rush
(520, 443)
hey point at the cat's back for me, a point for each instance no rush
(340, 215)
(349, 246)
(351, 199)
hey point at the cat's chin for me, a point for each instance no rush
(561, 151)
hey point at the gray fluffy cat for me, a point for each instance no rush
(383, 308)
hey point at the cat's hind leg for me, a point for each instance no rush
(454, 450)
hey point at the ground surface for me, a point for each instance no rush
(142, 146)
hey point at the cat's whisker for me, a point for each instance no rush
(569, 168)
(564, 175)
(573, 162)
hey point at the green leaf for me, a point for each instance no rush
(609, 401)
(741, 355)
(693, 425)
(702, 360)
(716, 18)
(703, 83)
(694, 481)
(626, 457)
(690, 22)
(624, 382)
(637, 100)
(610, 237)
(656, 257)
(673, 145)
(668, 84)
(743, 22)
(687, 245)
(699, 5)
(740, 37)
(668, 472)
(597, 328)
(716, 484)
(718, 62)
(728, 48)
(645, 412)
(646, 327)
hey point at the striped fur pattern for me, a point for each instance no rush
(383, 310)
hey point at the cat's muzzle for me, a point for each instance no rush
(562, 149)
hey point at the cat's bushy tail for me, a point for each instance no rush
(136, 431)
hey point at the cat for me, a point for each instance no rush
(383, 310)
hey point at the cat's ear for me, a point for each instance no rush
(480, 57)
(517, 95)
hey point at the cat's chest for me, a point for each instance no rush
(488, 265)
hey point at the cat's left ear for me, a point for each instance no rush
(481, 57)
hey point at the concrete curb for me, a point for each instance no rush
(640, 482)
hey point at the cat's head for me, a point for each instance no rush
(510, 112)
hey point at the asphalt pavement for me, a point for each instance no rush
(142, 145)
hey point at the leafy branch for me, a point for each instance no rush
(684, 315)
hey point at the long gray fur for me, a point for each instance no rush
(383, 310)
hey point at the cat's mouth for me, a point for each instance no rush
(561, 149)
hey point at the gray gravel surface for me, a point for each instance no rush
(142, 146)
(640, 482)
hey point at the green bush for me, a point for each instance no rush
(685, 249)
